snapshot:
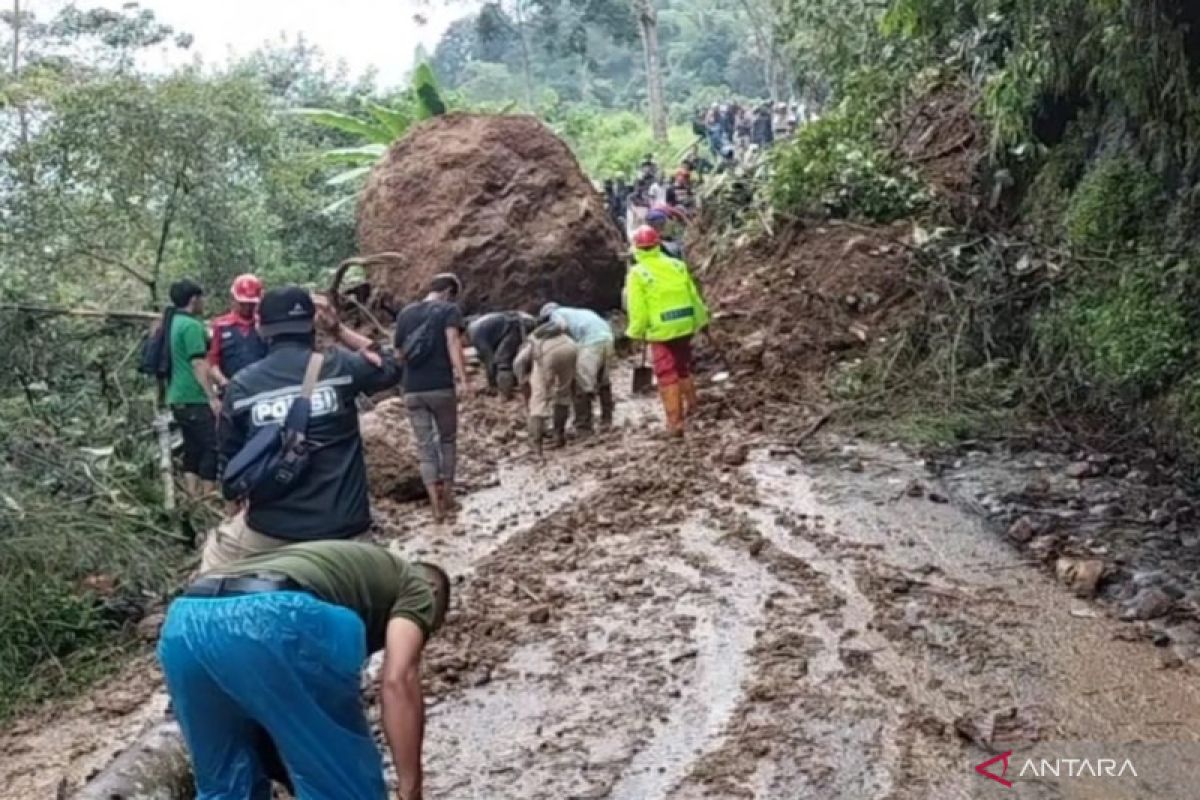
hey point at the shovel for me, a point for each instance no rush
(643, 376)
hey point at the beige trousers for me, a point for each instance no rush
(234, 540)
(593, 366)
(552, 375)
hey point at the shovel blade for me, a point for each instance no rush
(643, 380)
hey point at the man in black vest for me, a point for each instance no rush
(330, 501)
(236, 343)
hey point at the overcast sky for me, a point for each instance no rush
(365, 33)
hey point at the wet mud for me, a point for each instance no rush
(638, 619)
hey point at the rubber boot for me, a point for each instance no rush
(446, 493)
(435, 502)
(687, 387)
(606, 406)
(672, 401)
(536, 425)
(583, 415)
(506, 383)
(561, 415)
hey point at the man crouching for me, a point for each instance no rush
(276, 643)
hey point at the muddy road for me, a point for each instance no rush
(721, 618)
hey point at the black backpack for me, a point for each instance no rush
(418, 346)
(156, 348)
(272, 462)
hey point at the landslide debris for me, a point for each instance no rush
(499, 200)
(789, 307)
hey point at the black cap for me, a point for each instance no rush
(286, 310)
(183, 291)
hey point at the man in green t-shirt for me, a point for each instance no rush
(190, 392)
(276, 643)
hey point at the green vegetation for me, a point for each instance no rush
(610, 143)
(386, 124)
(835, 166)
(1110, 205)
(1072, 291)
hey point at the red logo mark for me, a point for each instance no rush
(982, 769)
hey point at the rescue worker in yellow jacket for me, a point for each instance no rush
(666, 310)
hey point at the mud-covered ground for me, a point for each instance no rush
(639, 619)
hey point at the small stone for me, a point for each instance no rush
(934, 497)
(1022, 530)
(914, 489)
(1084, 469)
(1105, 510)
(540, 615)
(150, 625)
(734, 455)
(1081, 576)
(1149, 603)
(1161, 517)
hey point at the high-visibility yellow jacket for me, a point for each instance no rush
(663, 300)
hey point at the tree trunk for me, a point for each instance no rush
(648, 25)
(155, 767)
(526, 66)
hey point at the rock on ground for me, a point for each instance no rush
(390, 452)
(499, 200)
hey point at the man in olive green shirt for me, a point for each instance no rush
(278, 641)
(190, 392)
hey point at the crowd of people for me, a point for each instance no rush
(654, 197)
(730, 132)
(263, 651)
(730, 127)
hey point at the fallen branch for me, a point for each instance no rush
(97, 313)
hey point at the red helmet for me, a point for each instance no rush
(646, 237)
(246, 289)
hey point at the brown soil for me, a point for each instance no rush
(499, 200)
(788, 308)
(941, 136)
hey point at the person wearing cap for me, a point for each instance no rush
(497, 337)
(429, 338)
(594, 361)
(190, 394)
(236, 342)
(546, 364)
(263, 662)
(659, 218)
(330, 499)
(666, 310)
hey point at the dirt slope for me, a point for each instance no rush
(499, 200)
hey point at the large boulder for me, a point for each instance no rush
(499, 200)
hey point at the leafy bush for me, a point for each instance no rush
(1110, 204)
(83, 538)
(613, 143)
(1130, 337)
(1049, 194)
(832, 166)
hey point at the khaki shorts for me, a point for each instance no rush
(593, 367)
(234, 540)
(553, 375)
